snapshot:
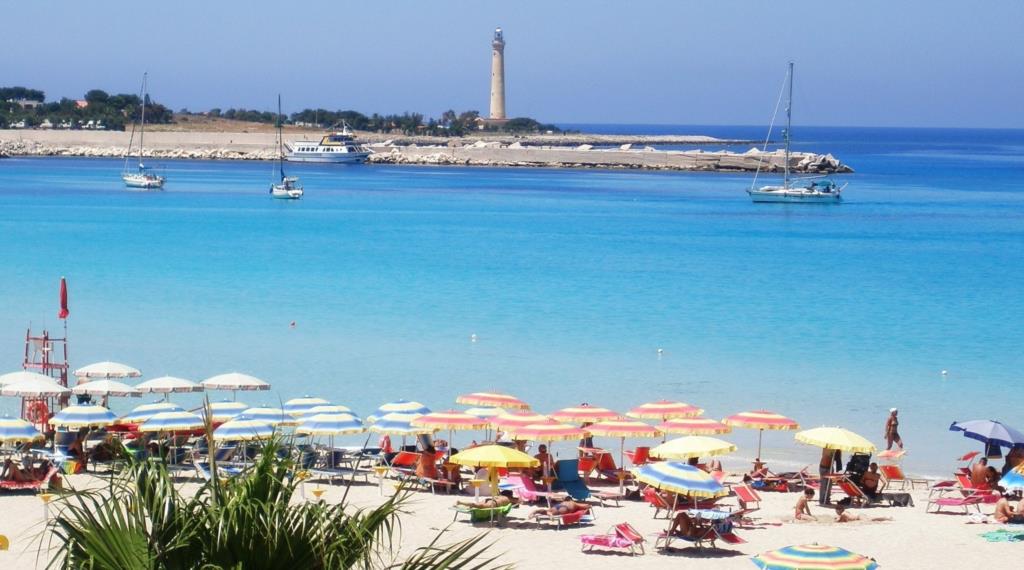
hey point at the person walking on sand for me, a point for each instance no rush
(892, 430)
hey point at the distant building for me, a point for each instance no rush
(497, 116)
(26, 103)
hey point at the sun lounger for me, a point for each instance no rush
(747, 498)
(894, 474)
(33, 485)
(404, 464)
(203, 470)
(567, 471)
(476, 514)
(653, 498)
(963, 503)
(715, 526)
(639, 456)
(620, 537)
(568, 519)
(857, 496)
(525, 490)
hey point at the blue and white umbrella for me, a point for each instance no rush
(325, 409)
(1014, 479)
(299, 406)
(172, 421)
(398, 407)
(224, 411)
(399, 424)
(330, 424)
(243, 430)
(679, 478)
(273, 416)
(14, 430)
(146, 411)
(990, 432)
(83, 416)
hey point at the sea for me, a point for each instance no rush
(609, 287)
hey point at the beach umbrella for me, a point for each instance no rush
(694, 426)
(83, 416)
(547, 432)
(622, 429)
(330, 425)
(679, 478)
(451, 420)
(664, 410)
(692, 446)
(167, 385)
(584, 413)
(835, 438)
(493, 457)
(399, 407)
(493, 400)
(106, 388)
(1014, 479)
(21, 376)
(146, 411)
(990, 432)
(225, 410)
(234, 381)
(761, 420)
(272, 416)
(813, 557)
(398, 424)
(243, 430)
(519, 418)
(326, 409)
(107, 369)
(484, 412)
(17, 430)
(299, 406)
(43, 387)
(172, 421)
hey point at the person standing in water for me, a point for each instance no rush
(892, 430)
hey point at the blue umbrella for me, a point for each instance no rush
(990, 432)
(1014, 479)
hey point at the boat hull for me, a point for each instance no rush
(795, 197)
(281, 193)
(329, 157)
(143, 182)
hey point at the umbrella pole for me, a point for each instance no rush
(760, 433)
(671, 520)
(622, 465)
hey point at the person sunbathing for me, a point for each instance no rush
(563, 508)
(1007, 514)
(842, 516)
(12, 472)
(683, 526)
(486, 502)
(802, 509)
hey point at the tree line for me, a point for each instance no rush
(114, 112)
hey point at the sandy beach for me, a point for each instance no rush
(913, 539)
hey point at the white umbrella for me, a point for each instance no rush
(169, 384)
(107, 369)
(106, 388)
(35, 388)
(234, 381)
(21, 376)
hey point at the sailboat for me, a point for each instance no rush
(288, 187)
(803, 190)
(141, 177)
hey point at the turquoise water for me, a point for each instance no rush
(570, 280)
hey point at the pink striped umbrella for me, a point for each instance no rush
(547, 432)
(761, 420)
(694, 426)
(664, 410)
(622, 429)
(493, 400)
(584, 413)
(450, 420)
(519, 418)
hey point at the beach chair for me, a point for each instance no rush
(568, 479)
(857, 496)
(404, 464)
(620, 537)
(639, 456)
(894, 474)
(653, 498)
(715, 526)
(963, 503)
(526, 491)
(203, 470)
(748, 499)
(967, 488)
(476, 514)
(33, 485)
(568, 519)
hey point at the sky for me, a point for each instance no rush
(910, 63)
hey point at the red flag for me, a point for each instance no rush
(63, 314)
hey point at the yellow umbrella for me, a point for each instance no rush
(491, 456)
(835, 438)
(692, 446)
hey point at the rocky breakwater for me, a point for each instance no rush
(33, 148)
(495, 154)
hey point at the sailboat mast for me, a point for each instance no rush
(280, 139)
(789, 125)
(142, 123)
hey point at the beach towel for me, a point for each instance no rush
(1004, 535)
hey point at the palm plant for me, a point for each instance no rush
(141, 520)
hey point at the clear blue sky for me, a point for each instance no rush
(884, 63)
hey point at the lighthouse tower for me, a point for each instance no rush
(498, 77)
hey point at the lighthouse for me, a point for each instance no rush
(498, 76)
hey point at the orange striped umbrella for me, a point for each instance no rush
(584, 413)
(519, 418)
(450, 420)
(546, 432)
(761, 420)
(664, 410)
(694, 426)
(493, 400)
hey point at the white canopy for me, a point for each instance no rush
(234, 381)
(107, 369)
(21, 376)
(34, 388)
(106, 388)
(166, 384)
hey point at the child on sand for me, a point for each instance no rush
(802, 509)
(844, 517)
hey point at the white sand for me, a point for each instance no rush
(912, 540)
